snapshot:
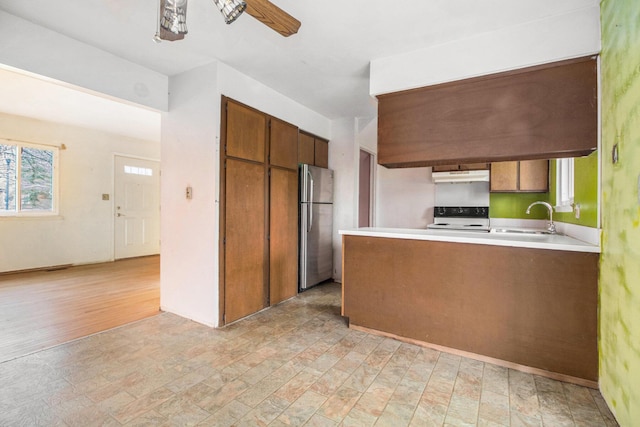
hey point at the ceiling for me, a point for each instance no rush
(324, 67)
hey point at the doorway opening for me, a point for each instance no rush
(365, 188)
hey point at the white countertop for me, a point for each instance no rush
(516, 240)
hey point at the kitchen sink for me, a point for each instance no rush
(529, 231)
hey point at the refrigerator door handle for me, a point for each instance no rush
(311, 201)
(311, 186)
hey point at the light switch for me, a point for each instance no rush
(105, 197)
(189, 193)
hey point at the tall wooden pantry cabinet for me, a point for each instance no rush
(258, 211)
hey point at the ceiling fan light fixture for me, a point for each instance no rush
(230, 9)
(174, 18)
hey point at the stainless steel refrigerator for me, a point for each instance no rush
(316, 225)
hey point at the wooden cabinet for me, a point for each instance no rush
(283, 235)
(461, 167)
(504, 176)
(534, 176)
(541, 112)
(321, 153)
(259, 211)
(306, 149)
(532, 307)
(283, 211)
(313, 150)
(520, 176)
(246, 133)
(283, 144)
(244, 233)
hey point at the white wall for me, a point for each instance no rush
(83, 232)
(405, 197)
(191, 156)
(344, 161)
(552, 39)
(189, 228)
(30, 47)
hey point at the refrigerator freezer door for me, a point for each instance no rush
(316, 184)
(316, 261)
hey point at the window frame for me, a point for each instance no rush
(55, 194)
(565, 184)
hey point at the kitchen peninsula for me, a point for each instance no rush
(527, 301)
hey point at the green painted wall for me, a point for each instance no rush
(514, 205)
(585, 176)
(620, 260)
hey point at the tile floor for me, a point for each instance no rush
(294, 364)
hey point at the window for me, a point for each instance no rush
(134, 170)
(564, 185)
(27, 179)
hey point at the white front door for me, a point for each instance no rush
(137, 207)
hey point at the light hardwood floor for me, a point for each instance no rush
(46, 308)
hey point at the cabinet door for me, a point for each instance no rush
(244, 260)
(548, 110)
(321, 153)
(534, 175)
(504, 176)
(283, 235)
(246, 131)
(283, 149)
(306, 149)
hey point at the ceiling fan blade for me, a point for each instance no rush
(273, 17)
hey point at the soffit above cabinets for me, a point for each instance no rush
(541, 112)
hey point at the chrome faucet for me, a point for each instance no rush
(552, 227)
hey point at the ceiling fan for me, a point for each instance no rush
(172, 17)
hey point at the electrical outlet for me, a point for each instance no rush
(576, 210)
(105, 197)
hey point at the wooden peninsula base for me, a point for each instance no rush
(531, 307)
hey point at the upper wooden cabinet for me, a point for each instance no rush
(306, 149)
(283, 143)
(313, 151)
(246, 130)
(321, 153)
(520, 176)
(541, 112)
(462, 167)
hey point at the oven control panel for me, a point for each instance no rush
(461, 212)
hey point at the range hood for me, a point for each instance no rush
(461, 176)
